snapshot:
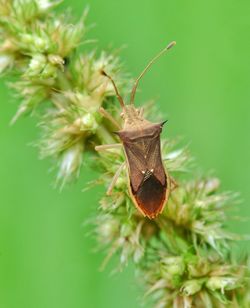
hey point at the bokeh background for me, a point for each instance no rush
(47, 256)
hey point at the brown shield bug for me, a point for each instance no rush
(149, 182)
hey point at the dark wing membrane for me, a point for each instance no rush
(151, 196)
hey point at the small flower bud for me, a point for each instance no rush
(56, 60)
(108, 229)
(70, 163)
(126, 229)
(44, 5)
(191, 287)
(173, 265)
(35, 42)
(198, 269)
(221, 283)
(26, 38)
(126, 252)
(8, 47)
(36, 65)
(88, 122)
(5, 62)
(138, 254)
(121, 183)
(212, 185)
(40, 44)
(49, 71)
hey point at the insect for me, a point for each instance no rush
(149, 182)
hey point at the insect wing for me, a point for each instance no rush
(148, 180)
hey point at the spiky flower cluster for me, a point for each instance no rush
(183, 257)
(66, 89)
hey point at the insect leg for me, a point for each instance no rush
(108, 116)
(173, 184)
(105, 147)
(115, 178)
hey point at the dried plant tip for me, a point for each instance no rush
(172, 44)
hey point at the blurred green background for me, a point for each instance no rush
(47, 258)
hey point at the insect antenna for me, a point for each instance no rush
(115, 88)
(132, 96)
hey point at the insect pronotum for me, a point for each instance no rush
(149, 182)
